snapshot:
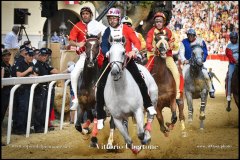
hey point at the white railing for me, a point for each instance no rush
(18, 81)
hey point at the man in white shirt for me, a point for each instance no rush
(11, 39)
(11, 42)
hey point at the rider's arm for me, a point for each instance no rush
(75, 34)
(205, 52)
(105, 45)
(133, 38)
(150, 40)
(229, 54)
(182, 52)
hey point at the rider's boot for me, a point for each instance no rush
(74, 104)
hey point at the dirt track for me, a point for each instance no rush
(218, 140)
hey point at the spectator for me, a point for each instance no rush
(55, 38)
(41, 92)
(6, 73)
(11, 39)
(23, 69)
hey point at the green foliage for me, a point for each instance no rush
(145, 3)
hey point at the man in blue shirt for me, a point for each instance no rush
(185, 53)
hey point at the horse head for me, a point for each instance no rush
(117, 56)
(197, 55)
(161, 40)
(92, 49)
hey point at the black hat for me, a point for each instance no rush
(49, 51)
(5, 51)
(43, 51)
(29, 51)
(22, 47)
(26, 42)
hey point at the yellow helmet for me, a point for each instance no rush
(126, 19)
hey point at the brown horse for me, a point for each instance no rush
(234, 88)
(166, 86)
(88, 78)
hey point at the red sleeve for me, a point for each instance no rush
(150, 39)
(132, 37)
(229, 54)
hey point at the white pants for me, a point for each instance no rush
(205, 74)
(76, 73)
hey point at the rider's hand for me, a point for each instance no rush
(185, 62)
(107, 54)
(131, 54)
(81, 44)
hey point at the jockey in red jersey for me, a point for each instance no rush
(118, 30)
(78, 38)
(160, 26)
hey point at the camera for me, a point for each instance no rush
(21, 12)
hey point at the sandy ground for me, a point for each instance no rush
(218, 140)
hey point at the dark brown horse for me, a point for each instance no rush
(166, 86)
(86, 92)
(234, 88)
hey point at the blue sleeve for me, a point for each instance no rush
(205, 52)
(105, 45)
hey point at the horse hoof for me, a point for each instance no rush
(228, 109)
(166, 134)
(170, 125)
(135, 150)
(86, 130)
(184, 134)
(78, 128)
(93, 142)
(182, 125)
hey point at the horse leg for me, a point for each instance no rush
(235, 96)
(85, 126)
(180, 104)
(110, 138)
(203, 104)
(202, 107)
(144, 137)
(78, 125)
(174, 115)
(190, 106)
(123, 131)
(94, 140)
(160, 119)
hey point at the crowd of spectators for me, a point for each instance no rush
(212, 20)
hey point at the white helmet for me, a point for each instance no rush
(126, 19)
(114, 12)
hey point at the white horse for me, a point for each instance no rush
(195, 85)
(123, 97)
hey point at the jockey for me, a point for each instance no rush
(78, 38)
(126, 20)
(232, 52)
(160, 26)
(117, 30)
(186, 51)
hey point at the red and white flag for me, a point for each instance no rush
(71, 2)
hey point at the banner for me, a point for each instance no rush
(71, 2)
